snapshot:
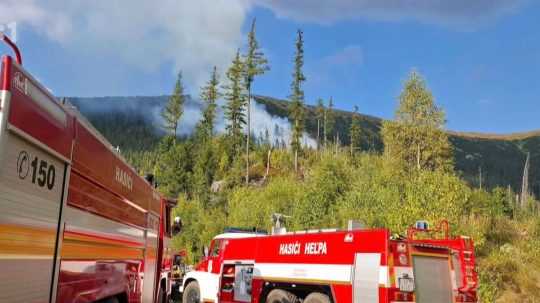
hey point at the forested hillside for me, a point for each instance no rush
(133, 124)
(383, 173)
(322, 166)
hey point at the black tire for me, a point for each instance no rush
(317, 297)
(280, 296)
(111, 300)
(162, 296)
(192, 293)
(176, 296)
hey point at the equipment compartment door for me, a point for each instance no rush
(432, 279)
(32, 183)
(243, 276)
(150, 259)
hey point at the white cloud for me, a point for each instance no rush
(336, 68)
(196, 35)
(350, 55)
(447, 12)
(193, 35)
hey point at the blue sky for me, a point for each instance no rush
(481, 58)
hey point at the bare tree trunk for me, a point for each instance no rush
(267, 164)
(480, 176)
(318, 134)
(248, 133)
(296, 160)
(418, 157)
(324, 129)
(337, 142)
(175, 132)
(525, 182)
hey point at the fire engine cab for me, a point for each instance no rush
(339, 266)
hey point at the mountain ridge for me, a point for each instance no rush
(500, 157)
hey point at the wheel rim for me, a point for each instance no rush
(193, 297)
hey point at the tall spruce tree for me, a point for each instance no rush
(209, 95)
(236, 102)
(255, 64)
(320, 120)
(175, 108)
(416, 139)
(330, 122)
(205, 164)
(296, 108)
(355, 131)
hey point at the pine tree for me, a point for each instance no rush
(355, 131)
(416, 139)
(320, 120)
(205, 157)
(204, 170)
(175, 108)
(255, 64)
(330, 122)
(296, 108)
(174, 167)
(236, 102)
(209, 95)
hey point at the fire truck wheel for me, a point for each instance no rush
(111, 300)
(317, 297)
(192, 294)
(280, 296)
(162, 298)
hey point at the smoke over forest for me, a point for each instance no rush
(265, 126)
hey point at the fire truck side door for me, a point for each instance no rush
(150, 258)
(214, 257)
(32, 186)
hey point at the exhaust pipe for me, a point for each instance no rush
(8, 41)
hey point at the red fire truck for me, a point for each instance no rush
(77, 224)
(324, 266)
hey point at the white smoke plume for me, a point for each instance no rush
(278, 129)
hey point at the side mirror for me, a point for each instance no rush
(177, 226)
(205, 251)
(177, 260)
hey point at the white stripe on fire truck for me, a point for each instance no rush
(384, 278)
(305, 272)
(331, 273)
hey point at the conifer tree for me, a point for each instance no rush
(209, 95)
(296, 108)
(255, 64)
(205, 163)
(320, 120)
(175, 108)
(416, 139)
(329, 122)
(236, 102)
(355, 131)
